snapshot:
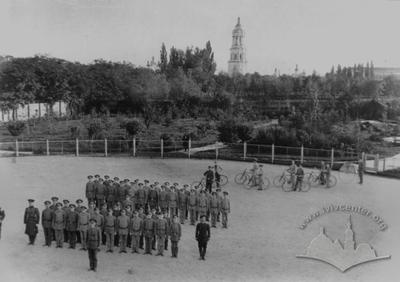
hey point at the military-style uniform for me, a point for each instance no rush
(182, 203)
(173, 203)
(110, 230)
(225, 209)
(99, 223)
(209, 174)
(141, 198)
(192, 206)
(122, 227)
(93, 242)
(175, 235)
(65, 208)
(214, 208)
(71, 225)
(168, 219)
(100, 194)
(148, 232)
(202, 237)
(110, 193)
(136, 230)
(202, 204)
(47, 218)
(163, 200)
(161, 227)
(31, 219)
(90, 191)
(153, 198)
(58, 224)
(83, 222)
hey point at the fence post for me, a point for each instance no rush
(384, 164)
(332, 157)
(244, 150)
(16, 148)
(273, 153)
(162, 148)
(376, 163)
(134, 147)
(77, 147)
(190, 147)
(302, 154)
(47, 147)
(105, 147)
(216, 153)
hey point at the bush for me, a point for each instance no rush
(16, 127)
(94, 128)
(244, 132)
(227, 131)
(167, 140)
(133, 127)
(75, 131)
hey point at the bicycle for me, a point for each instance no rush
(315, 180)
(245, 178)
(262, 183)
(223, 180)
(284, 181)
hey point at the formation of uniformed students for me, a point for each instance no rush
(126, 215)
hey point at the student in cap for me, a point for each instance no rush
(47, 216)
(202, 236)
(31, 219)
(72, 225)
(90, 189)
(83, 222)
(58, 224)
(93, 243)
(225, 209)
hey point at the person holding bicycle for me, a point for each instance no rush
(217, 175)
(299, 177)
(292, 171)
(253, 173)
(322, 174)
(259, 177)
(209, 174)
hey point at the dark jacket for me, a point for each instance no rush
(175, 232)
(47, 217)
(31, 218)
(71, 222)
(202, 231)
(93, 238)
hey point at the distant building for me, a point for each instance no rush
(381, 73)
(152, 64)
(237, 62)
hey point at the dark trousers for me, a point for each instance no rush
(92, 258)
(116, 240)
(32, 239)
(148, 244)
(47, 235)
(202, 247)
(361, 175)
(166, 243)
(65, 236)
(59, 237)
(141, 242)
(72, 239)
(103, 238)
(209, 186)
(78, 237)
(174, 248)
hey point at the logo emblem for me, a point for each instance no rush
(342, 255)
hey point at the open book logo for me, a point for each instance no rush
(342, 256)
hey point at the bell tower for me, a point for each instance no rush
(237, 61)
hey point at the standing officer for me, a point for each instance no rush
(225, 209)
(192, 203)
(148, 232)
(2, 216)
(47, 218)
(172, 202)
(209, 174)
(58, 225)
(136, 229)
(93, 243)
(202, 236)
(31, 219)
(99, 220)
(361, 171)
(71, 225)
(214, 208)
(122, 227)
(161, 227)
(90, 192)
(110, 230)
(104, 213)
(100, 193)
(202, 202)
(175, 235)
(83, 222)
(182, 203)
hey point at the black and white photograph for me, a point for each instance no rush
(191, 141)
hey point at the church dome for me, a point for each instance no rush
(238, 31)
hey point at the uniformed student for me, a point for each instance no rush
(141, 197)
(175, 235)
(203, 203)
(104, 213)
(90, 189)
(58, 225)
(182, 203)
(65, 208)
(53, 207)
(110, 230)
(31, 219)
(71, 224)
(209, 174)
(225, 209)
(83, 222)
(78, 209)
(143, 217)
(93, 244)
(136, 230)
(163, 199)
(214, 208)
(192, 206)
(2, 216)
(172, 201)
(154, 216)
(47, 218)
(161, 228)
(100, 193)
(148, 232)
(202, 236)
(169, 221)
(122, 227)
(99, 221)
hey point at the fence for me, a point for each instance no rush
(167, 148)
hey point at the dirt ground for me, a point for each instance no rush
(261, 243)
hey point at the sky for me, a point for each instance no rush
(314, 34)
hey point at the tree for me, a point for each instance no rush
(163, 59)
(16, 127)
(244, 132)
(227, 131)
(133, 127)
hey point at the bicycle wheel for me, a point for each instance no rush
(305, 186)
(240, 178)
(332, 182)
(223, 180)
(197, 184)
(278, 180)
(313, 180)
(287, 186)
(265, 183)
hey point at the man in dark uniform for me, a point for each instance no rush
(169, 221)
(47, 217)
(123, 222)
(110, 230)
(175, 235)
(209, 174)
(90, 192)
(100, 193)
(163, 199)
(202, 236)
(31, 219)
(2, 216)
(148, 232)
(53, 207)
(71, 225)
(182, 203)
(143, 217)
(192, 206)
(104, 213)
(173, 201)
(141, 197)
(153, 197)
(93, 243)
(66, 209)
(135, 230)
(161, 227)
(78, 209)
(109, 192)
